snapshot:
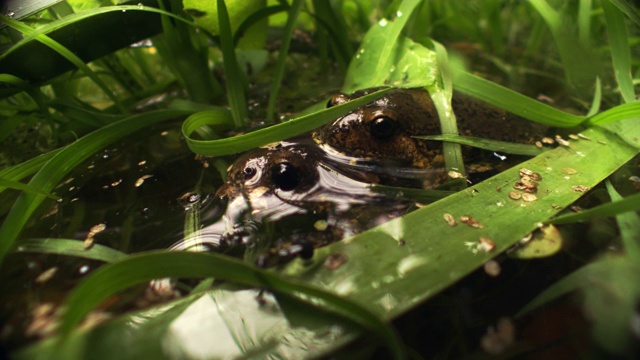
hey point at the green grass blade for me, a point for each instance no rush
(143, 267)
(265, 136)
(256, 17)
(234, 77)
(620, 50)
(29, 167)
(512, 101)
(629, 223)
(5, 183)
(292, 18)
(628, 9)
(487, 144)
(624, 111)
(630, 203)
(63, 162)
(70, 247)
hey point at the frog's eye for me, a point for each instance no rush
(383, 127)
(337, 99)
(285, 176)
(249, 172)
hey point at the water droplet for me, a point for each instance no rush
(124, 10)
(383, 23)
(10, 13)
(84, 269)
(392, 69)
(399, 14)
(140, 6)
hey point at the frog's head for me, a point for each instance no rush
(383, 129)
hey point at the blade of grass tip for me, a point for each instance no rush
(63, 162)
(70, 247)
(4, 183)
(487, 144)
(67, 54)
(597, 99)
(513, 101)
(143, 267)
(297, 126)
(620, 50)
(624, 111)
(629, 223)
(234, 77)
(292, 18)
(448, 123)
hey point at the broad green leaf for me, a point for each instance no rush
(387, 58)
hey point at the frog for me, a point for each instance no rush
(383, 131)
(284, 200)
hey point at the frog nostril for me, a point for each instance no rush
(285, 176)
(383, 127)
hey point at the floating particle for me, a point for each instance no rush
(498, 188)
(569, 171)
(574, 136)
(116, 183)
(451, 221)
(46, 275)
(539, 144)
(563, 142)
(529, 197)
(580, 188)
(321, 225)
(95, 229)
(467, 219)
(548, 141)
(515, 195)
(536, 176)
(634, 178)
(492, 268)
(584, 137)
(497, 340)
(602, 142)
(576, 208)
(141, 180)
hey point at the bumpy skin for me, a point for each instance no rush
(414, 114)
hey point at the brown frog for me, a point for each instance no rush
(383, 130)
(284, 200)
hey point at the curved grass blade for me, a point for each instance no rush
(292, 18)
(441, 93)
(234, 77)
(487, 144)
(620, 53)
(143, 267)
(70, 247)
(512, 101)
(265, 136)
(64, 161)
(624, 111)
